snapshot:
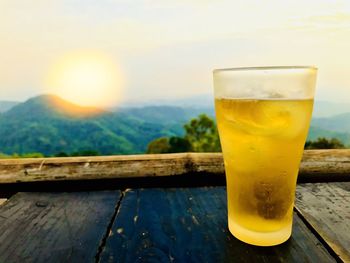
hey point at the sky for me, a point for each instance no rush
(167, 49)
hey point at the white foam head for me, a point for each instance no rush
(296, 82)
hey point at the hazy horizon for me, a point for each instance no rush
(204, 96)
(322, 108)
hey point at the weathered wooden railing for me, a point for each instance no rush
(317, 165)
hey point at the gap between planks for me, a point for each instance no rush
(109, 227)
(318, 236)
(297, 211)
(185, 225)
(326, 208)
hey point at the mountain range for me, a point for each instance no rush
(50, 125)
(321, 108)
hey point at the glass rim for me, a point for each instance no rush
(265, 68)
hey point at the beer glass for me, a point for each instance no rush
(263, 116)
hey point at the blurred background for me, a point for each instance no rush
(123, 77)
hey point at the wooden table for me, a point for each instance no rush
(180, 223)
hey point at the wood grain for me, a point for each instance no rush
(325, 165)
(317, 165)
(190, 225)
(55, 227)
(326, 207)
(85, 168)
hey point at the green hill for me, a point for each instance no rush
(317, 132)
(49, 124)
(166, 114)
(337, 126)
(337, 123)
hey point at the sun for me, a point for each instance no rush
(85, 78)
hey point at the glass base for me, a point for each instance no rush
(259, 238)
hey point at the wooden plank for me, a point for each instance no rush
(190, 225)
(325, 165)
(326, 207)
(55, 227)
(317, 165)
(107, 167)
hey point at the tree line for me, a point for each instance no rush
(200, 136)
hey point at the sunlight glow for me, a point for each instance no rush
(85, 78)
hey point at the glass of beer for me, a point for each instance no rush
(263, 116)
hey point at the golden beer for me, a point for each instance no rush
(262, 142)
